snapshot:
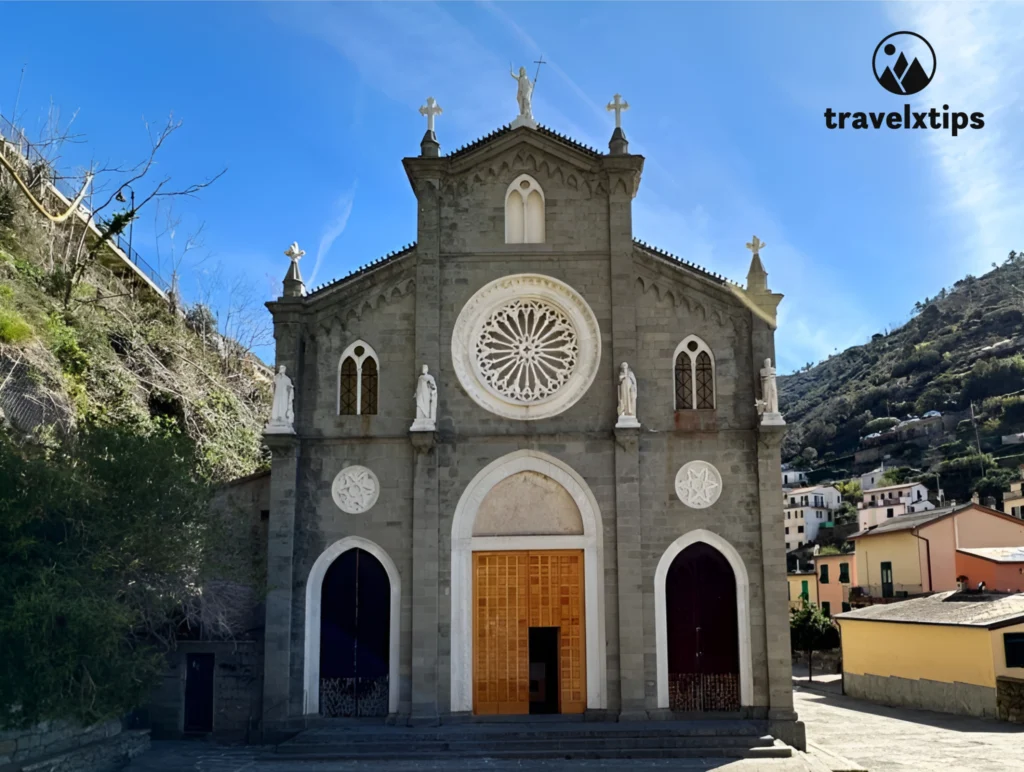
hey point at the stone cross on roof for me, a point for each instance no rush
(430, 109)
(294, 252)
(756, 245)
(617, 106)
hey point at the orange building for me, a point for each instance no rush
(1000, 568)
(836, 575)
(918, 553)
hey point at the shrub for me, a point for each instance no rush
(990, 377)
(878, 425)
(922, 360)
(13, 327)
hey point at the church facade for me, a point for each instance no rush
(525, 468)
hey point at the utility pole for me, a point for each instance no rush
(977, 440)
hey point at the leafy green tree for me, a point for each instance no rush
(896, 475)
(103, 536)
(810, 630)
(850, 491)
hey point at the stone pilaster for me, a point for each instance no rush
(424, 589)
(783, 718)
(629, 545)
(623, 180)
(280, 551)
(425, 175)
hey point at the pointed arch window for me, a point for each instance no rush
(358, 372)
(694, 375)
(524, 211)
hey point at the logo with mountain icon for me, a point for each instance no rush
(904, 63)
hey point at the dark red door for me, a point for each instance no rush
(703, 634)
(355, 636)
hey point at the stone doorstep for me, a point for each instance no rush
(122, 746)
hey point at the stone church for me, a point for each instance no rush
(527, 464)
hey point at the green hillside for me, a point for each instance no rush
(961, 347)
(121, 410)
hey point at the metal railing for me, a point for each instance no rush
(68, 187)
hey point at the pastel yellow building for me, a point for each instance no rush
(954, 652)
(802, 583)
(913, 554)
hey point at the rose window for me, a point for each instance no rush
(527, 350)
(526, 346)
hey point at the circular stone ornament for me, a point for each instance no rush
(355, 489)
(698, 484)
(526, 346)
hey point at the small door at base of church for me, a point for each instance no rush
(355, 636)
(703, 632)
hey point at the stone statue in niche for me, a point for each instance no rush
(768, 405)
(282, 415)
(627, 398)
(426, 403)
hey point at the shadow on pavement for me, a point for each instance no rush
(946, 721)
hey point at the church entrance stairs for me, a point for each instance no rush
(339, 740)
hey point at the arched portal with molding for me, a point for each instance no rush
(702, 625)
(353, 604)
(527, 613)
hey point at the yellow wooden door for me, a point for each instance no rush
(512, 592)
(501, 635)
(556, 600)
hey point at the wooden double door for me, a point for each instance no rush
(518, 598)
(703, 632)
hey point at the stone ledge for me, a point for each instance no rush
(100, 756)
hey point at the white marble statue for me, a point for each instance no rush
(768, 405)
(282, 415)
(524, 96)
(627, 397)
(426, 403)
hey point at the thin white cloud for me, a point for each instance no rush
(334, 228)
(979, 69)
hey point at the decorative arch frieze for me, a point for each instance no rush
(350, 310)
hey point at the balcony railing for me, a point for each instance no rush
(869, 594)
(68, 188)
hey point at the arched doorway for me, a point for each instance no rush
(701, 581)
(353, 603)
(354, 637)
(515, 549)
(703, 635)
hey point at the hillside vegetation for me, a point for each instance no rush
(120, 412)
(960, 348)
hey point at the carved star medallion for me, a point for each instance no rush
(355, 489)
(698, 484)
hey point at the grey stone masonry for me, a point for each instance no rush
(405, 307)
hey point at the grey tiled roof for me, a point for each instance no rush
(657, 252)
(565, 140)
(907, 522)
(970, 609)
(996, 554)
(388, 258)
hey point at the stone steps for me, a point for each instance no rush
(557, 740)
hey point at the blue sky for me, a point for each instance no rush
(312, 106)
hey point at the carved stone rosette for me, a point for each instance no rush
(355, 489)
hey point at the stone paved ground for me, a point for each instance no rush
(878, 738)
(194, 757)
(885, 739)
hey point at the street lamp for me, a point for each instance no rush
(131, 222)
